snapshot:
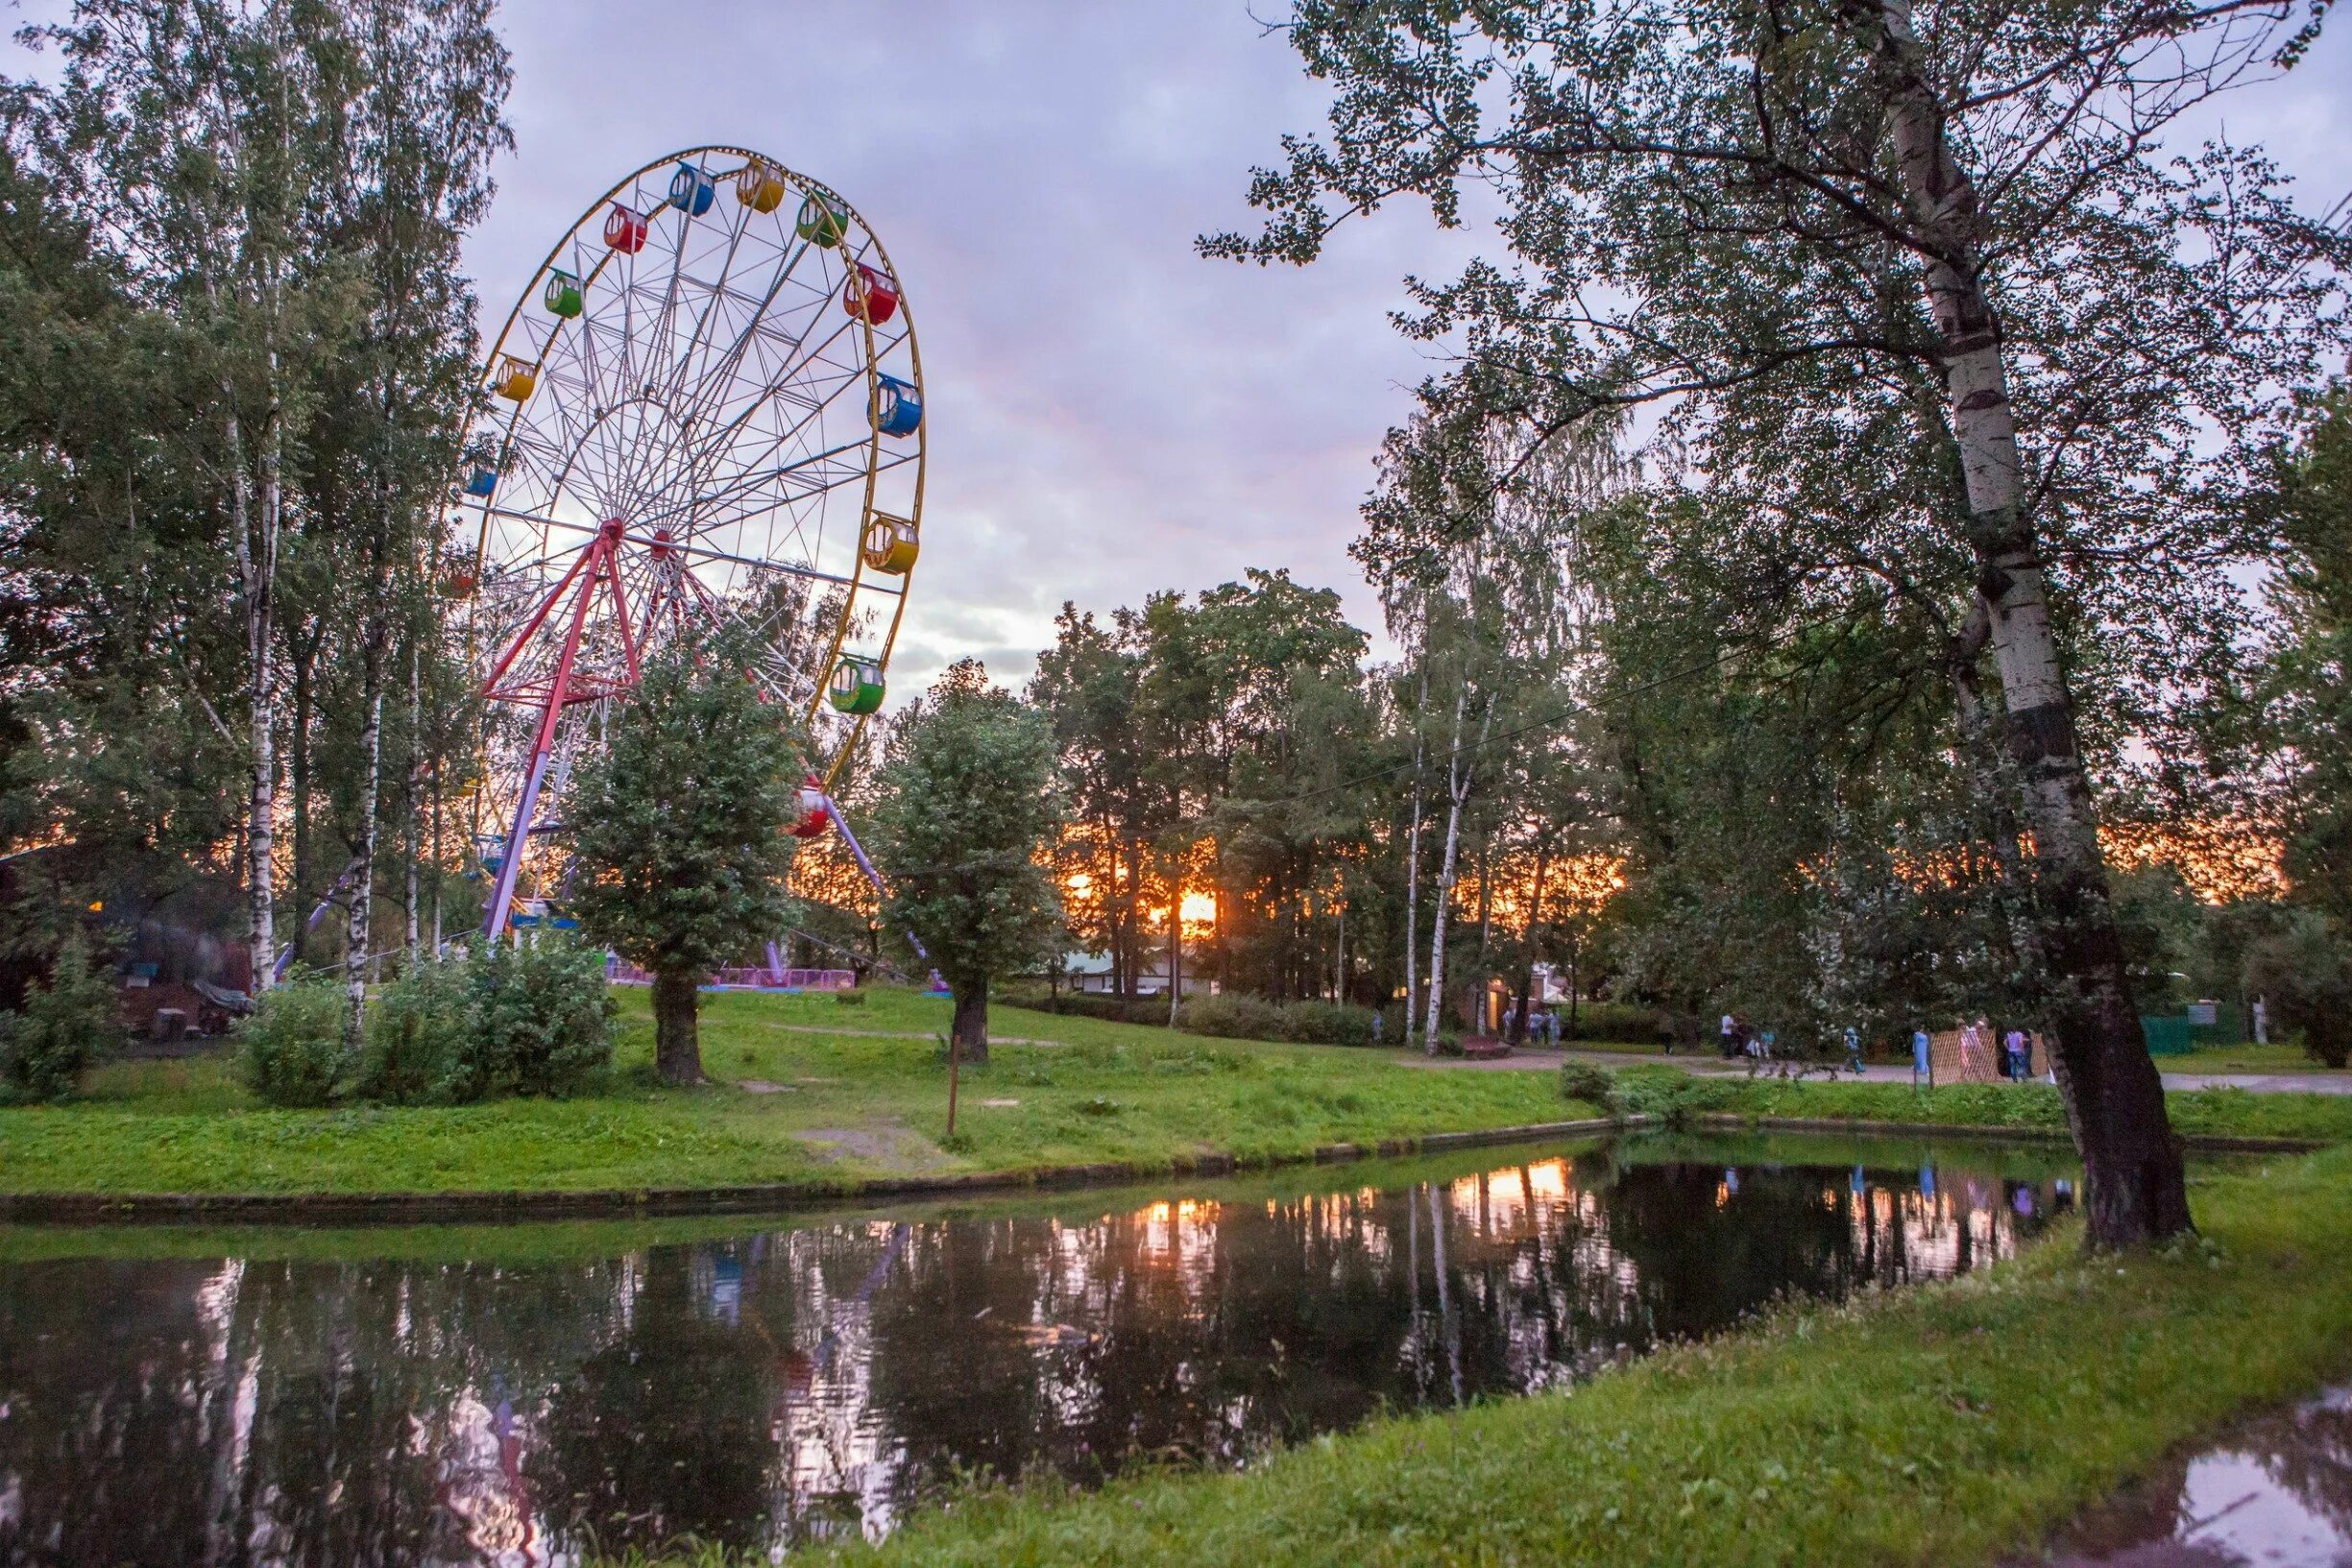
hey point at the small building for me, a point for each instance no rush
(1092, 972)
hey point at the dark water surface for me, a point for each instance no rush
(2275, 1490)
(466, 1394)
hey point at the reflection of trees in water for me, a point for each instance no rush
(663, 1431)
(796, 1383)
(267, 1412)
(2309, 1452)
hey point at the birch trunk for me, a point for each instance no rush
(1456, 788)
(363, 885)
(2135, 1186)
(409, 908)
(1412, 870)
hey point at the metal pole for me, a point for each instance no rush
(502, 896)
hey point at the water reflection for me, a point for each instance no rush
(2278, 1489)
(486, 1396)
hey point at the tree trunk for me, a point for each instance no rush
(1175, 949)
(968, 1033)
(1535, 927)
(1457, 788)
(2135, 1184)
(1413, 872)
(410, 906)
(677, 1037)
(363, 888)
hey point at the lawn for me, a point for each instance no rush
(845, 1094)
(1951, 1424)
(2225, 1113)
(2244, 1058)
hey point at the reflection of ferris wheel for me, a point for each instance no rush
(707, 410)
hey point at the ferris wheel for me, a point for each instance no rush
(706, 410)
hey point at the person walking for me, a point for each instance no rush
(1731, 1032)
(2019, 1056)
(1922, 1065)
(1854, 1050)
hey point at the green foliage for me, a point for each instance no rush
(677, 826)
(967, 809)
(541, 1021)
(421, 1036)
(2304, 967)
(1235, 1015)
(291, 1050)
(65, 1027)
(850, 999)
(1231, 1015)
(1589, 1082)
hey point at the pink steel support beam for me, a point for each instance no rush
(592, 566)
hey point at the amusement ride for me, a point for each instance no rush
(706, 410)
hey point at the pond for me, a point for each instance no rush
(507, 1393)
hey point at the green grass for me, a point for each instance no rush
(855, 1109)
(2246, 1058)
(2235, 1113)
(1951, 1424)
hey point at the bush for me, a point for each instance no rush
(1624, 1021)
(542, 1020)
(1589, 1082)
(1328, 1024)
(67, 1027)
(1090, 1004)
(418, 1037)
(850, 999)
(1233, 1015)
(290, 1050)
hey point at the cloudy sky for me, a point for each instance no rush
(1108, 413)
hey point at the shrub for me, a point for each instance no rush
(850, 999)
(542, 1020)
(1328, 1024)
(419, 1031)
(1589, 1082)
(1091, 1005)
(1232, 1014)
(290, 1051)
(67, 1027)
(1619, 1020)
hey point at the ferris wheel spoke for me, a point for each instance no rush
(775, 389)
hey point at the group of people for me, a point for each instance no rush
(2014, 1060)
(1741, 1038)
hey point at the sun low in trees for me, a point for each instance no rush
(677, 830)
(968, 809)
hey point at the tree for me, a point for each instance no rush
(1777, 218)
(967, 817)
(678, 831)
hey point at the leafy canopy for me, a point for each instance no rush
(677, 825)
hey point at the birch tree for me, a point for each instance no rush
(1798, 204)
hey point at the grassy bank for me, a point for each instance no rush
(2225, 1113)
(805, 1090)
(1949, 1424)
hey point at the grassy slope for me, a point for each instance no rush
(2231, 1111)
(1104, 1091)
(1947, 1425)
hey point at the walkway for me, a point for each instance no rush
(1540, 1060)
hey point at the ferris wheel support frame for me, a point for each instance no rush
(597, 566)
